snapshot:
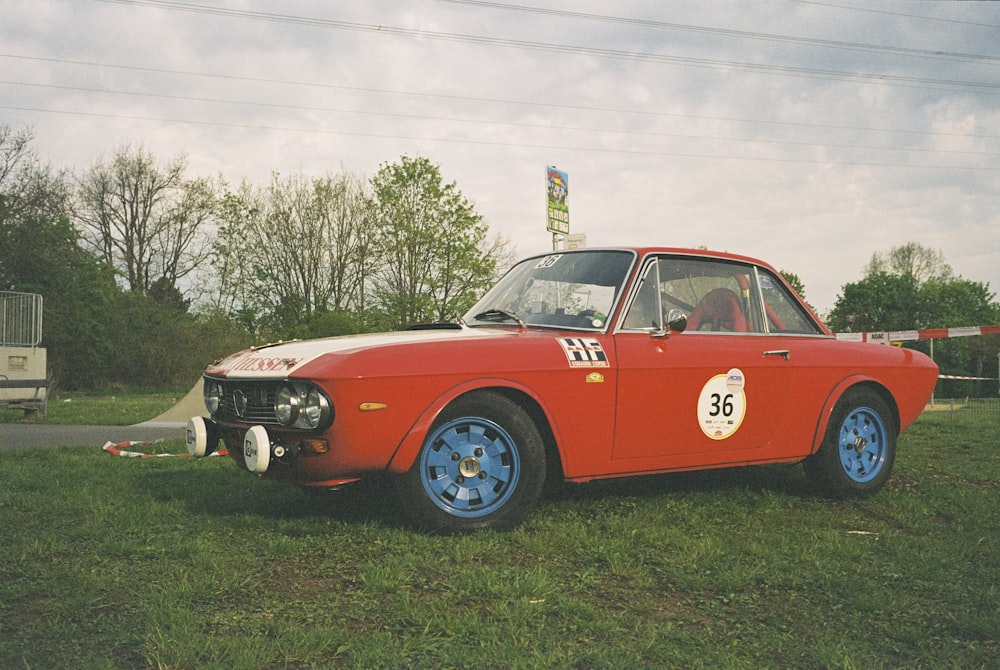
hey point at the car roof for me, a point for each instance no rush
(644, 250)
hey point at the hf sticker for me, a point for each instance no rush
(583, 352)
(722, 405)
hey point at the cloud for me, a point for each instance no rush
(808, 134)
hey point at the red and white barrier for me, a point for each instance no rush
(122, 449)
(892, 337)
(887, 337)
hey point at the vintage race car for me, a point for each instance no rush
(577, 365)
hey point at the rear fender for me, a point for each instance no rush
(837, 393)
(406, 453)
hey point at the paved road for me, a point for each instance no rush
(19, 435)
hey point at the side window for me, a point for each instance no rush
(715, 294)
(784, 313)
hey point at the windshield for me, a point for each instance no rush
(574, 290)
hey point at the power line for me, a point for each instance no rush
(455, 119)
(740, 34)
(895, 80)
(475, 99)
(785, 70)
(481, 142)
(885, 12)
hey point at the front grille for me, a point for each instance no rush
(250, 402)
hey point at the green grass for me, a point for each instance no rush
(174, 563)
(99, 408)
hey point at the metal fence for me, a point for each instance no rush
(20, 319)
(978, 410)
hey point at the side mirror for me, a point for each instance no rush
(677, 321)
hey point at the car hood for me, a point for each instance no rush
(285, 358)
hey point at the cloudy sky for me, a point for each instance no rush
(809, 134)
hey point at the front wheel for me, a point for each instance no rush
(858, 451)
(482, 465)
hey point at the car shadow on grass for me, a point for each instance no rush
(233, 492)
(236, 493)
(786, 478)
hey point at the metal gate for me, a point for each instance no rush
(20, 319)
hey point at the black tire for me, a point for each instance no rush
(859, 448)
(482, 465)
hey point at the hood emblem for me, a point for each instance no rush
(240, 402)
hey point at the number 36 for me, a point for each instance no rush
(722, 405)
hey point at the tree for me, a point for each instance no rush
(436, 259)
(910, 259)
(880, 301)
(40, 253)
(292, 249)
(15, 157)
(143, 219)
(796, 283)
(910, 287)
(913, 288)
(180, 244)
(955, 303)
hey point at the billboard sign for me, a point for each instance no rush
(557, 189)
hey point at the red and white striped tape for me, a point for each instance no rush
(122, 449)
(888, 337)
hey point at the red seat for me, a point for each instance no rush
(718, 311)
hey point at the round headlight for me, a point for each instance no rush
(286, 405)
(315, 408)
(213, 396)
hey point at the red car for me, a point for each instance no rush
(582, 365)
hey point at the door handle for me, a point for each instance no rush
(784, 353)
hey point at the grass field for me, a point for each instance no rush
(174, 563)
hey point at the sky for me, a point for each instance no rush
(807, 134)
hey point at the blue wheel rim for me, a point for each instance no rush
(862, 444)
(470, 467)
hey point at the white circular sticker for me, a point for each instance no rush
(722, 404)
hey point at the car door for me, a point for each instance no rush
(717, 392)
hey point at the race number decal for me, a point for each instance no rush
(722, 405)
(548, 261)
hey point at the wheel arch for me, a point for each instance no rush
(408, 449)
(839, 391)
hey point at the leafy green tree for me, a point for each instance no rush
(880, 301)
(796, 283)
(327, 323)
(40, 253)
(954, 303)
(910, 259)
(156, 346)
(912, 288)
(435, 256)
(95, 334)
(291, 250)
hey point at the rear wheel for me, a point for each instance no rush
(482, 465)
(859, 448)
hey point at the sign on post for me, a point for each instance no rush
(557, 187)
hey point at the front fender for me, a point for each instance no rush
(406, 453)
(837, 393)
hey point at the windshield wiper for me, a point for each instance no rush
(496, 314)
